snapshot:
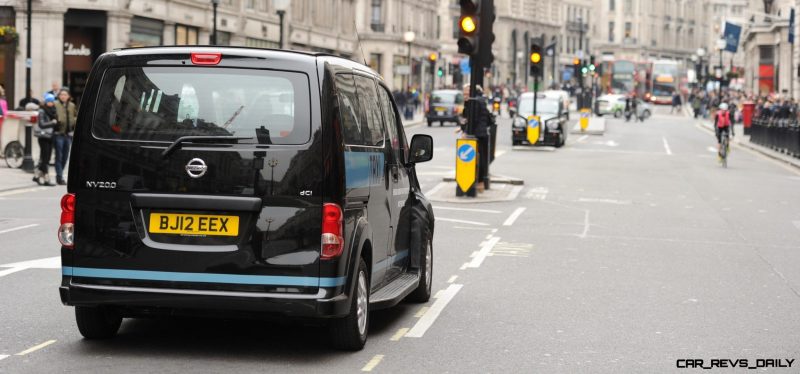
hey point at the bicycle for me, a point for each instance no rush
(724, 150)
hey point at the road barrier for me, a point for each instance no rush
(782, 135)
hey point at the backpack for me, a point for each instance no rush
(723, 119)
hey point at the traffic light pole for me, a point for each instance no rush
(535, 93)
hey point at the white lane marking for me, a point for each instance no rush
(462, 221)
(711, 149)
(42, 263)
(372, 363)
(3, 357)
(399, 334)
(499, 153)
(17, 192)
(452, 279)
(585, 225)
(436, 207)
(435, 189)
(421, 312)
(513, 217)
(35, 348)
(666, 146)
(426, 321)
(19, 228)
(464, 267)
(606, 201)
(537, 193)
(583, 138)
(515, 192)
(481, 255)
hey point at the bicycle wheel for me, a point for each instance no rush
(724, 152)
(14, 153)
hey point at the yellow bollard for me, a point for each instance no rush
(534, 129)
(466, 166)
(585, 114)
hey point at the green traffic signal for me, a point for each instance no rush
(591, 67)
(584, 70)
(439, 73)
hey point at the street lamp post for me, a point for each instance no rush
(280, 7)
(409, 37)
(27, 161)
(701, 52)
(214, 5)
(721, 46)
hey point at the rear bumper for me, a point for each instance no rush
(436, 118)
(551, 137)
(168, 301)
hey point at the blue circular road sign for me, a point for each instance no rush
(466, 152)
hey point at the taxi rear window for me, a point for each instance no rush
(165, 103)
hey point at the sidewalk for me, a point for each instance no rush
(744, 141)
(419, 118)
(14, 179)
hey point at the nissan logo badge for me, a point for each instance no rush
(196, 168)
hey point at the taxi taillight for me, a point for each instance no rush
(332, 231)
(66, 232)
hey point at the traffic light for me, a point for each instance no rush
(440, 72)
(536, 57)
(486, 32)
(468, 25)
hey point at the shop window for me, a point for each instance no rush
(146, 32)
(185, 35)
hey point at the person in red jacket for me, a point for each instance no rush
(722, 125)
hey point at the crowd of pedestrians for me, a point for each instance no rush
(57, 115)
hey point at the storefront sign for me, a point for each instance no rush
(71, 50)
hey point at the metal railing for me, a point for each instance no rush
(782, 135)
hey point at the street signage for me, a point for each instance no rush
(731, 36)
(466, 164)
(534, 129)
(585, 114)
(402, 69)
(465, 67)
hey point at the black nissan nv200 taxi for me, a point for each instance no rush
(242, 181)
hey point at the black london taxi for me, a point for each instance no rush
(242, 182)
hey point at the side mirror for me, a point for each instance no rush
(421, 149)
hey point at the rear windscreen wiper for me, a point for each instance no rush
(200, 138)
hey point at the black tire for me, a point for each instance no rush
(14, 154)
(441, 123)
(430, 123)
(97, 322)
(346, 334)
(617, 113)
(646, 114)
(423, 291)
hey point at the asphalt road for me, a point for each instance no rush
(623, 253)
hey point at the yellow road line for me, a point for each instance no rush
(372, 363)
(36, 348)
(399, 334)
(452, 279)
(421, 312)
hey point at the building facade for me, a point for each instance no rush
(383, 26)
(770, 64)
(643, 30)
(68, 35)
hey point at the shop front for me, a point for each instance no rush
(84, 42)
(8, 48)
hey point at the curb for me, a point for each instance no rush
(495, 179)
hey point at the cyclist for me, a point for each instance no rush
(722, 125)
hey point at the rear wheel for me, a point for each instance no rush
(441, 123)
(97, 322)
(423, 292)
(14, 153)
(617, 113)
(350, 332)
(430, 123)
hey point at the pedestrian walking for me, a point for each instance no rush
(676, 103)
(66, 114)
(44, 133)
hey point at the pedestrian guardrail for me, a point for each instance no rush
(782, 135)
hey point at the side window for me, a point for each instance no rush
(390, 117)
(348, 109)
(373, 132)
